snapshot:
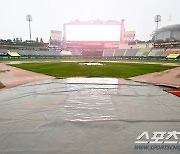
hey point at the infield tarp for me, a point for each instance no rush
(84, 116)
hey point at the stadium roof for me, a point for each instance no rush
(169, 28)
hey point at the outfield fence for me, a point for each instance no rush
(160, 58)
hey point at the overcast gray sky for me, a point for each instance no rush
(51, 14)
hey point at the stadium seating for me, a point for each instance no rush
(21, 52)
(25, 52)
(155, 52)
(150, 52)
(43, 53)
(52, 53)
(108, 53)
(3, 52)
(76, 53)
(131, 52)
(170, 51)
(36, 53)
(92, 53)
(13, 54)
(143, 52)
(158, 53)
(119, 52)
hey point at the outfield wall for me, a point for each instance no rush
(80, 57)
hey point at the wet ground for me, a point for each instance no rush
(12, 76)
(84, 115)
(167, 63)
(167, 77)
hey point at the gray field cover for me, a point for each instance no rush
(84, 115)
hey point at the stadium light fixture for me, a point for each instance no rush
(157, 19)
(29, 19)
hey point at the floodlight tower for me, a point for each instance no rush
(29, 18)
(157, 19)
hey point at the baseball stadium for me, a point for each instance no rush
(92, 89)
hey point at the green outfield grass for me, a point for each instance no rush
(73, 69)
(1, 85)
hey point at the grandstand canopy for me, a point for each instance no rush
(167, 33)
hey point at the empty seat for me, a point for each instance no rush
(21, 52)
(43, 53)
(119, 52)
(143, 52)
(108, 53)
(3, 52)
(92, 53)
(155, 52)
(131, 52)
(170, 51)
(76, 53)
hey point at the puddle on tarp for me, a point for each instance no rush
(83, 115)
